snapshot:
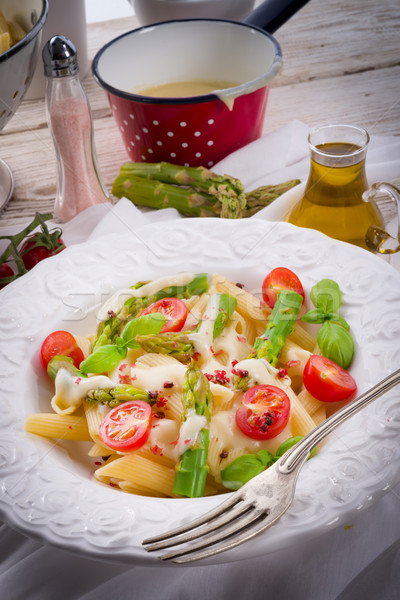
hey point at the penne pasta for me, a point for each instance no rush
(84, 344)
(248, 305)
(52, 425)
(221, 360)
(139, 471)
(94, 416)
(311, 404)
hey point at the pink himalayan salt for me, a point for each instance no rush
(79, 183)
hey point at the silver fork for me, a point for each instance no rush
(259, 503)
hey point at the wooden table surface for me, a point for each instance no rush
(341, 64)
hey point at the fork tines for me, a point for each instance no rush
(234, 517)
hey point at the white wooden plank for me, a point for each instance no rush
(341, 63)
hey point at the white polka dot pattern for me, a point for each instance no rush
(195, 134)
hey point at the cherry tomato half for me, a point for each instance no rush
(264, 412)
(327, 381)
(60, 343)
(174, 311)
(32, 252)
(279, 279)
(127, 426)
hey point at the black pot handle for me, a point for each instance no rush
(271, 14)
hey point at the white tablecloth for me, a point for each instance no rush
(359, 561)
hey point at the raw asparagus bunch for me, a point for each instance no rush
(193, 191)
(119, 394)
(206, 189)
(111, 328)
(197, 400)
(280, 325)
(198, 177)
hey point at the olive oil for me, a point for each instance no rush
(332, 202)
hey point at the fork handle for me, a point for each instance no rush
(295, 456)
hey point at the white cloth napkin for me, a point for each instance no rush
(358, 561)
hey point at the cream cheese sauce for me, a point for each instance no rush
(190, 430)
(223, 426)
(153, 378)
(116, 302)
(71, 390)
(229, 342)
(260, 372)
(296, 361)
(163, 436)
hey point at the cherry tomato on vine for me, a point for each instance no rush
(38, 247)
(127, 426)
(60, 343)
(279, 279)
(264, 412)
(174, 311)
(5, 271)
(327, 381)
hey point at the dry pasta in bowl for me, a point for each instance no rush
(191, 385)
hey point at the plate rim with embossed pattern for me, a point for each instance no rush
(43, 496)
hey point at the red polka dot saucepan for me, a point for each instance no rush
(240, 59)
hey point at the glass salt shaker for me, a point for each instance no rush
(79, 183)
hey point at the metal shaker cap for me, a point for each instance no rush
(60, 57)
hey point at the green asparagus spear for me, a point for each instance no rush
(177, 345)
(192, 469)
(198, 177)
(112, 396)
(225, 190)
(154, 194)
(264, 195)
(119, 394)
(226, 307)
(193, 191)
(280, 325)
(111, 328)
(62, 362)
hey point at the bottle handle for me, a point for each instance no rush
(377, 239)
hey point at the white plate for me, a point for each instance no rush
(47, 490)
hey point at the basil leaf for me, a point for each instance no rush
(119, 342)
(326, 295)
(339, 320)
(314, 316)
(336, 343)
(226, 306)
(103, 359)
(145, 325)
(286, 445)
(244, 468)
(265, 457)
